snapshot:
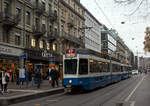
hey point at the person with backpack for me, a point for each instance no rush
(5, 80)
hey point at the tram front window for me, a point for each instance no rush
(70, 66)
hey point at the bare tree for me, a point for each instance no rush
(147, 40)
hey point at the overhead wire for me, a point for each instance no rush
(137, 8)
(104, 14)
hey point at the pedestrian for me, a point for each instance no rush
(33, 76)
(54, 76)
(17, 76)
(38, 77)
(1, 79)
(5, 80)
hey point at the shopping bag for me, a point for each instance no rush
(50, 80)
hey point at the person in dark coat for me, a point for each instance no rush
(38, 76)
(54, 75)
(1, 79)
(17, 76)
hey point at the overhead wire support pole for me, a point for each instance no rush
(104, 13)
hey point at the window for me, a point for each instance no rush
(70, 66)
(5, 36)
(98, 66)
(83, 66)
(50, 28)
(17, 39)
(43, 5)
(62, 12)
(18, 12)
(33, 42)
(5, 7)
(48, 46)
(54, 47)
(41, 44)
(50, 8)
(28, 18)
(27, 40)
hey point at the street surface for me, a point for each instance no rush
(131, 92)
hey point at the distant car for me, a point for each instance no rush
(135, 72)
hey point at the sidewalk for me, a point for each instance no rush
(19, 93)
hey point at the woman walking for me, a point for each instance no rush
(5, 80)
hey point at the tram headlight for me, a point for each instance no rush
(70, 81)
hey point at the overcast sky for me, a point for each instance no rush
(134, 26)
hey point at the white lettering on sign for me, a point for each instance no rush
(46, 54)
(10, 50)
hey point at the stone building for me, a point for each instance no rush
(71, 23)
(39, 29)
(28, 27)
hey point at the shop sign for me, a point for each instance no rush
(46, 54)
(10, 51)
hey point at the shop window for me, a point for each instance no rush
(33, 43)
(41, 44)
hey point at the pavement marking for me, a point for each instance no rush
(52, 100)
(132, 103)
(128, 98)
(36, 104)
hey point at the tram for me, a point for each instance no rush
(86, 71)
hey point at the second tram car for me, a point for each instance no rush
(86, 71)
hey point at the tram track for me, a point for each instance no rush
(98, 97)
(107, 91)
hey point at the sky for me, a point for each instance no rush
(133, 30)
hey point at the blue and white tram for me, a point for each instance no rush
(85, 71)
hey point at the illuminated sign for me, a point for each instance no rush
(71, 53)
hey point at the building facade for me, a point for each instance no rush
(39, 29)
(92, 32)
(71, 22)
(109, 42)
(27, 27)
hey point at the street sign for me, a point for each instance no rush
(23, 56)
(52, 61)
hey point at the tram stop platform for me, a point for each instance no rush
(20, 93)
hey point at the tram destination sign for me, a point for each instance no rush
(70, 53)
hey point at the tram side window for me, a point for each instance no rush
(83, 66)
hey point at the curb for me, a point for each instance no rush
(21, 98)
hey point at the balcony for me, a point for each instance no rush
(72, 38)
(70, 23)
(52, 15)
(38, 31)
(38, 7)
(8, 19)
(52, 36)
